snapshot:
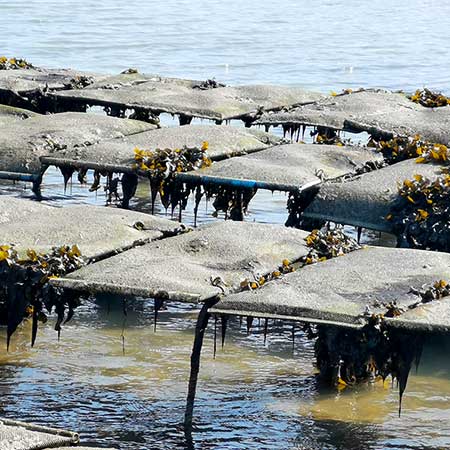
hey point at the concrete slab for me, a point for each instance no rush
(97, 231)
(223, 103)
(366, 200)
(9, 114)
(21, 146)
(24, 82)
(292, 167)
(430, 317)
(377, 112)
(339, 290)
(224, 141)
(23, 436)
(183, 268)
(127, 79)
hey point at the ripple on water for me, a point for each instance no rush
(252, 396)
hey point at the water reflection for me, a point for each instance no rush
(250, 396)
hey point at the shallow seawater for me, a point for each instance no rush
(118, 382)
(131, 392)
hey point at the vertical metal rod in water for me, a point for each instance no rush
(200, 328)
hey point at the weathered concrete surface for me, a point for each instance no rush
(430, 317)
(223, 103)
(122, 80)
(291, 167)
(366, 200)
(182, 268)
(23, 436)
(224, 141)
(28, 81)
(9, 114)
(95, 230)
(339, 290)
(21, 144)
(377, 112)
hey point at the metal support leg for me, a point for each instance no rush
(200, 328)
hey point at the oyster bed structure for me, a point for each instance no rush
(377, 112)
(117, 156)
(23, 142)
(28, 87)
(24, 436)
(369, 308)
(295, 168)
(10, 114)
(97, 231)
(185, 98)
(367, 200)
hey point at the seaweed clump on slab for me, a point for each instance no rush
(401, 148)
(24, 287)
(328, 244)
(161, 167)
(208, 84)
(420, 216)
(14, 63)
(430, 99)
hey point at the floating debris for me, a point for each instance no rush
(14, 63)
(420, 216)
(24, 286)
(430, 99)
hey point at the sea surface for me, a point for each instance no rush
(130, 393)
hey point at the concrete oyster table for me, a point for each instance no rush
(378, 112)
(208, 261)
(21, 146)
(118, 154)
(366, 200)
(97, 231)
(289, 167)
(343, 290)
(186, 99)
